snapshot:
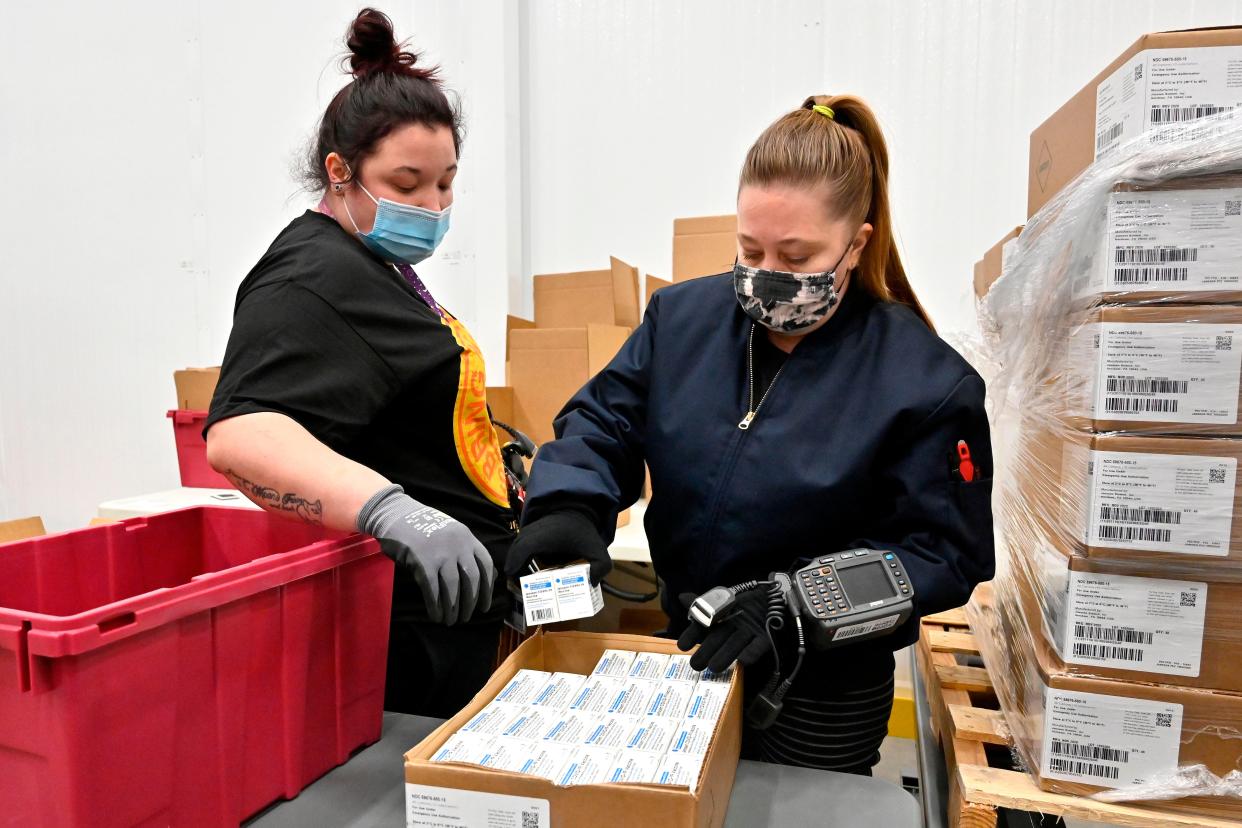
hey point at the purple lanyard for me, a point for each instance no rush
(411, 278)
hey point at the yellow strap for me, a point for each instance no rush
(826, 111)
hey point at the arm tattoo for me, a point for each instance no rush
(274, 501)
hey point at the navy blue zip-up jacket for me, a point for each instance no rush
(853, 447)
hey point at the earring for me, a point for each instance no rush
(336, 187)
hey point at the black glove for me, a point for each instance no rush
(741, 636)
(557, 538)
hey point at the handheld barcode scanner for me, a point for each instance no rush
(834, 600)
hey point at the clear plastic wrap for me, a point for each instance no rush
(1113, 624)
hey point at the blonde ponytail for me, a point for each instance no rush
(835, 140)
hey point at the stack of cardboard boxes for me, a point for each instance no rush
(1113, 630)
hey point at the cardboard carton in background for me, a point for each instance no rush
(513, 323)
(195, 387)
(1042, 583)
(1134, 85)
(703, 246)
(1202, 367)
(1207, 718)
(992, 265)
(1055, 467)
(598, 805)
(603, 297)
(21, 529)
(653, 284)
(548, 366)
(500, 401)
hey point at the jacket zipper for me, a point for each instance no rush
(753, 410)
(726, 474)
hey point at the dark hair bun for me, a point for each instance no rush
(373, 48)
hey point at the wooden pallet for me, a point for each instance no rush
(965, 718)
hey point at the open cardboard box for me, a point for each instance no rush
(596, 805)
(547, 366)
(602, 297)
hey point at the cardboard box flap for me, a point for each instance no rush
(653, 284)
(624, 292)
(514, 323)
(603, 343)
(703, 246)
(704, 224)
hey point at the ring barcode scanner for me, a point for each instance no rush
(834, 600)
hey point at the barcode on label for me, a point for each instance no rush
(1164, 719)
(1177, 114)
(1102, 652)
(1233, 207)
(530, 819)
(1190, 599)
(1096, 752)
(1083, 768)
(1216, 475)
(1224, 343)
(1108, 136)
(1147, 385)
(1146, 275)
(542, 614)
(1095, 632)
(1135, 533)
(1139, 405)
(1129, 514)
(1155, 255)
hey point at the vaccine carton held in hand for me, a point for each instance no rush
(564, 594)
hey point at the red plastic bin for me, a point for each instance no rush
(185, 669)
(192, 451)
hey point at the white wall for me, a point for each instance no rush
(146, 149)
(643, 111)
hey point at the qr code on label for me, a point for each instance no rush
(1189, 599)
(1224, 343)
(1233, 207)
(1164, 719)
(1138, 72)
(530, 819)
(1216, 475)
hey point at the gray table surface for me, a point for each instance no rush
(368, 791)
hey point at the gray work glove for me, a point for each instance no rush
(453, 570)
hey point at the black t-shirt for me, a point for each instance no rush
(331, 336)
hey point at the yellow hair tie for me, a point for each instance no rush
(826, 111)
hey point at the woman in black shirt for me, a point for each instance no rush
(348, 397)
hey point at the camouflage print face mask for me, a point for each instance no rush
(786, 302)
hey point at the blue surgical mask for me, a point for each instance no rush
(402, 233)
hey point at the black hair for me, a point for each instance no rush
(388, 91)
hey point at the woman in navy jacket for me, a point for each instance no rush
(800, 406)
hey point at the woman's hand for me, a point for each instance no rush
(559, 537)
(453, 570)
(742, 636)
